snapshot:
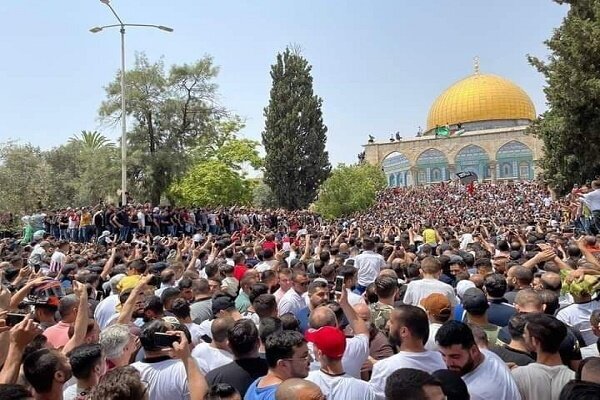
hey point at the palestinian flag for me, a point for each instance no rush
(442, 131)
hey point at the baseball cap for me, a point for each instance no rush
(222, 303)
(330, 340)
(437, 305)
(474, 300)
(462, 286)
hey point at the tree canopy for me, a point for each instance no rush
(294, 137)
(570, 129)
(349, 189)
(170, 114)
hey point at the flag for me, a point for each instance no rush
(442, 131)
(459, 132)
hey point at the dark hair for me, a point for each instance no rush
(256, 290)
(579, 390)
(39, 368)
(452, 384)
(219, 391)
(385, 286)
(549, 331)
(185, 283)
(267, 326)
(289, 322)
(239, 259)
(148, 331)
(138, 265)
(243, 337)
(495, 285)
(314, 285)
(123, 383)
(220, 328)
(264, 305)
(84, 358)
(407, 383)
(370, 294)
(347, 272)
(516, 326)
(414, 319)
(281, 345)
(169, 293)
(551, 300)
(455, 332)
(180, 308)
(153, 303)
(11, 391)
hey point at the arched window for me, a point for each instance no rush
(506, 170)
(393, 164)
(436, 175)
(514, 159)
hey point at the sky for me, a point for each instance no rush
(378, 65)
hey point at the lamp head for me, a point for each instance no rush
(96, 29)
(165, 28)
(107, 2)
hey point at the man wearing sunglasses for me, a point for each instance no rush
(293, 301)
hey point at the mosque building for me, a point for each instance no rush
(478, 125)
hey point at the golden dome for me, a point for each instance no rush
(480, 97)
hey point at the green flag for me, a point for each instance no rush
(442, 131)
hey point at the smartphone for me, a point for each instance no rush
(13, 319)
(339, 282)
(165, 340)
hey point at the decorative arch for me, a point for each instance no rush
(475, 159)
(394, 167)
(432, 167)
(515, 161)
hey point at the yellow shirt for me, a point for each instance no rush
(129, 282)
(429, 236)
(86, 219)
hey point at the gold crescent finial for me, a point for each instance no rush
(476, 64)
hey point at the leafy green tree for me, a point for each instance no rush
(263, 197)
(171, 114)
(219, 180)
(24, 178)
(570, 129)
(91, 140)
(349, 189)
(294, 138)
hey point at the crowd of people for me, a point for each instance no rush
(433, 293)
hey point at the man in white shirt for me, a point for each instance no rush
(350, 281)
(409, 328)
(329, 345)
(592, 199)
(545, 378)
(368, 264)
(486, 375)
(417, 290)
(578, 316)
(293, 301)
(106, 309)
(217, 353)
(357, 347)
(285, 283)
(165, 376)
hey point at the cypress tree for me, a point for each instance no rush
(570, 129)
(294, 137)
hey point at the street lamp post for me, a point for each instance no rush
(121, 27)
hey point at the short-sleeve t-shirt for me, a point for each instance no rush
(264, 393)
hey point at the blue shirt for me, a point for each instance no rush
(256, 393)
(302, 317)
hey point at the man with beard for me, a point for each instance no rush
(409, 331)
(318, 295)
(47, 371)
(545, 378)
(486, 375)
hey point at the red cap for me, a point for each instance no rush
(330, 340)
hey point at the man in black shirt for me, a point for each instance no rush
(500, 311)
(247, 366)
(516, 351)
